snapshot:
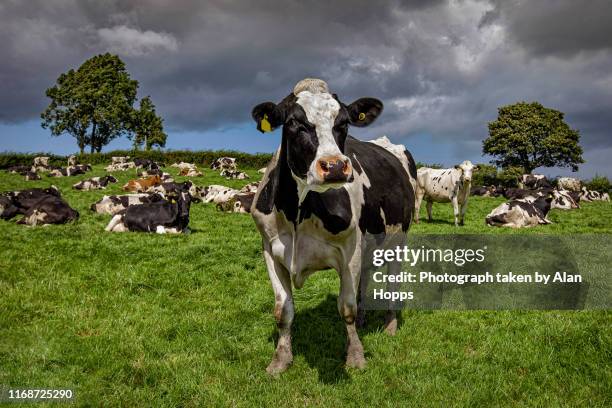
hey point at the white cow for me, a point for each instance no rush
(443, 186)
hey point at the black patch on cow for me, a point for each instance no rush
(390, 188)
(332, 207)
(280, 191)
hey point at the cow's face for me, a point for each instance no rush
(315, 128)
(467, 168)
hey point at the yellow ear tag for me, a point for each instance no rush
(265, 125)
(173, 201)
(362, 116)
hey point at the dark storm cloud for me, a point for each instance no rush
(441, 67)
(560, 27)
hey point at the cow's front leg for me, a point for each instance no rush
(455, 203)
(417, 204)
(347, 306)
(463, 211)
(283, 313)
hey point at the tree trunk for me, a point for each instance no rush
(93, 137)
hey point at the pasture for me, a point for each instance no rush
(160, 320)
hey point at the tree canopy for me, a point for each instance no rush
(93, 104)
(530, 135)
(147, 127)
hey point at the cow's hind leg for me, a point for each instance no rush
(391, 315)
(347, 306)
(429, 207)
(283, 313)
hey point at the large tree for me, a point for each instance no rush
(93, 103)
(148, 128)
(530, 135)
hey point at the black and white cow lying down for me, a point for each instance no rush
(115, 203)
(323, 193)
(592, 195)
(521, 213)
(94, 183)
(38, 206)
(164, 216)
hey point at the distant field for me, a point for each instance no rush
(149, 320)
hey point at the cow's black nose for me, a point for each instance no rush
(334, 169)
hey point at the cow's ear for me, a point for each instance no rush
(364, 111)
(457, 167)
(267, 115)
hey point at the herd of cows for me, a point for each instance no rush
(322, 197)
(154, 203)
(528, 204)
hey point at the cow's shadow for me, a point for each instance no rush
(319, 335)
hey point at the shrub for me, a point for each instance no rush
(202, 158)
(599, 183)
(486, 175)
(510, 176)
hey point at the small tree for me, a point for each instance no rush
(530, 136)
(148, 128)
(93, 103)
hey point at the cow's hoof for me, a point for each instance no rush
(391, 325)
(355, 357)
(280, 363)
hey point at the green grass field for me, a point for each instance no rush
(150, 320)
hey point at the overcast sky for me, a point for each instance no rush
(441, 68)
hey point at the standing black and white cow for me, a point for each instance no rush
(443, 186)
(322, 195)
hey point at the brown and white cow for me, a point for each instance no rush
(142, 184)
(322, 195)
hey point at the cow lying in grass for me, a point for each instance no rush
(561, 199)
(94, 183)
(234, 175)
(30, 176)
(239, 203)
(49, 210)
(39, 207)
(592, 195)
(224, 163)
(216, 193)
(173, 188)
(485, 191)
(521, 213)
(70, 171)
(113, 204)
(161, 217)
(143, 184)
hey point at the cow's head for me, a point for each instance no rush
(315, 126)
(466, 170)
